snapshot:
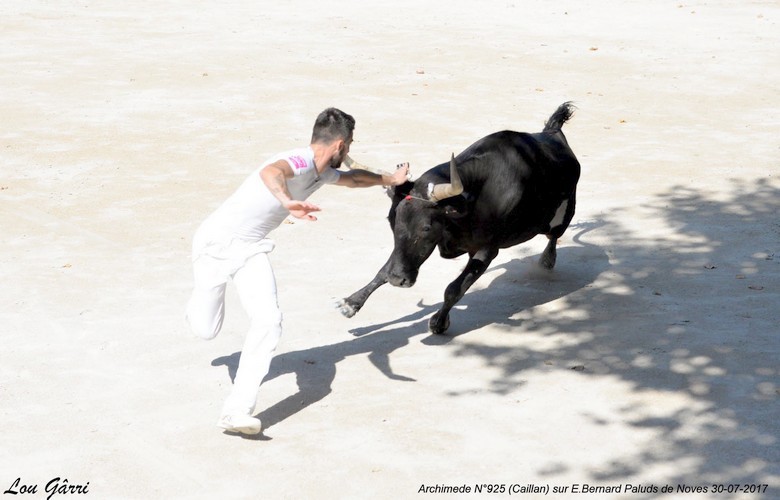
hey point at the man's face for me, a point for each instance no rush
(342, 146)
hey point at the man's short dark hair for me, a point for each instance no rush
(332, 124)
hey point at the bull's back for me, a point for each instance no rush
(509, 156)
(526, 179)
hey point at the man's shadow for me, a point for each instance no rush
(315, 368)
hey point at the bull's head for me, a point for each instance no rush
(418, 219)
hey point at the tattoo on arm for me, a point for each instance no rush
(274, 179)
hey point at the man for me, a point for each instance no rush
(231, 243)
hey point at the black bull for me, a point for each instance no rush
(501, 191)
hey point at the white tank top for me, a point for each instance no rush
(252, 211)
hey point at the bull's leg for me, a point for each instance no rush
(475, 268)
(352, 304)
(550, 254)
(558, 225)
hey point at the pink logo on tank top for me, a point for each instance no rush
(298, 162)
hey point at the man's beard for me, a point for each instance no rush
(337, 159)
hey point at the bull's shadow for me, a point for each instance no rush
(521, 285)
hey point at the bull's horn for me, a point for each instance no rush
(353, 165)
(453, 188)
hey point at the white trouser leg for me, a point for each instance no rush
(206, 307)
(256, 287)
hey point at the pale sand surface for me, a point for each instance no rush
(649, 356)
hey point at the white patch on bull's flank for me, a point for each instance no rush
(559, 214)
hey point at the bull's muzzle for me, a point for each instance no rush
(402, 280)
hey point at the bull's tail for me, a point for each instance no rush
(561, 116)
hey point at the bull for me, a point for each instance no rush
(503, 190)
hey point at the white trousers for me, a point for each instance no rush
(256, 286)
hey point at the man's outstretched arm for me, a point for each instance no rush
(275, 177)
(364, 178)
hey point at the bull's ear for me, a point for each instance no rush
(453, 212)
(400, 191)
(457, 206)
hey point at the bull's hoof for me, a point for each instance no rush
(438, 325)
(347, 309)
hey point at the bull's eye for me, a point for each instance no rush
(425, 229)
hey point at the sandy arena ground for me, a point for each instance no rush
(649, 357)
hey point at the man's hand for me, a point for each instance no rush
(400, 175)
(301, 209)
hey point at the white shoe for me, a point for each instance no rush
(240, 423)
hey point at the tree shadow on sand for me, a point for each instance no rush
(689, 312)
